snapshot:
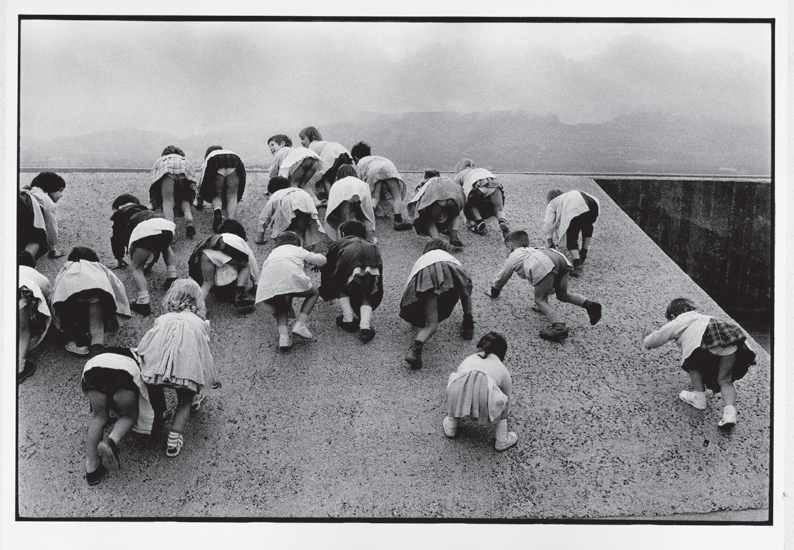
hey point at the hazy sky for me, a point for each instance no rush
(187, 77)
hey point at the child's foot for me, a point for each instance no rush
(504, 227)
(190, 230)
(109, 452)
(242, 299)
(174, 445)
(217, 219)
(402, 226)
(554, 334)
(467, 329)
(349, 326)
(26, 372)
(450, 426)
(696, 399)
(478, 227)
(366, 335)
(284, 343)
(168, 282)
(507, 442)
(74, 349)
(143, 309)
(414, 357)
(594, 311)
(260, 238)
(301, 330)
(96, 476)
(455, 241)
(578, 270)
(728, 420)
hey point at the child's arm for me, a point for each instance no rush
(548, 225)
(315, 259)
(266, 215)
(660, 336)
(501, 278)
(51, 225)
(117, 243)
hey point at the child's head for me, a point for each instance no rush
(277, 183)
(353, 227)
(553, 194)
(232, 226)
(360, 150)
(679, 306)
(26, 258)
(212, 148)
(437, 244)
(345, 171)
(516, 239)
(173, 150)
(462, 165)
(432, 174)
(123, 200)
(277, 142)
(51, 183)
(495, 343)
(309, 134)
(288, 237)
(82, 253)
(185, 294)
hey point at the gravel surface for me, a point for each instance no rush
(341, 429)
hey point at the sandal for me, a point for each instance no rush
(109, 452)
(198, 399)
(174, 445)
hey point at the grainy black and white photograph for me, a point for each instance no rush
(326, 271)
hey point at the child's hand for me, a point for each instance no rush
(119, 264)
(56, 253)
(216, 386)
(646, 333)
(316, 268)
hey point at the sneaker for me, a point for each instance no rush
(174, 445)
(512, 439)
(301, 330)
(455, 241)
(696, 400)
(143, 309)
(578, 271)
(450, 426)
(190, 230)
(198, 399)
(26, 372)
(96, 476)
(168, 282)
(479, 228)
(594, 311)
(349, 326)
(366, 335)
(74, 349)
(728, 420)
(284, 343)
(199, 203)
(414, 357)
(554, 335)
(216, 222)
(109, 452)
(402, 226)
(504, 227)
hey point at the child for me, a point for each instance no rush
(224, 262)
(112, 381)
(354, 275)
(566, 215)
(299, 165)
(31, 227)
(173, 187)
(484, 196)
(547, 271)
(222, 182)
(290, 209)
(47, 189)
(714, 353)
(381, 175)
(87, 300)
(480, 389)
(436, 283)
(146, 234)
(33, 313)
(349, 200)
(282, 279)
(334, 155)
(175, 353)
(436, 207)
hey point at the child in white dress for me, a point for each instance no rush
(33, 313)
(349, 199)
(290, 209)
(299, 164)
(283, 278)
(382, 176)
(334, 155)
(485, 196)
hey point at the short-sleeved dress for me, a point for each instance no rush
(373, 169)
(479, 389)
(354, 266)
(176, 352)
(441, 191)
(220, 158)
(283, 272)
(221, 250)
(182, 171)
(357, 193)
(282, 207)
(478, 185)
(294, 159)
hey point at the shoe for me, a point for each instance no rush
(284, 343)
(594, 311)
(216, 221)
(198, 399)
(143, 309)
(301, 330)
(96, 476)
(168, 282)
(349, 326)
(450, 426)
(467, 329)
(578, 270)
(199, 203)
(554, 335)
(697, 400)
(109, 452)
(402, 226)
(366, 335)
(455, 241)
(74, 349)
(27, 371)
(242, 298)
(318, 203)
(728, 420)
(174, 445)
(479, 228)
(95, 349)
(414, 357)
(504, 227)
(190, 230)
(583, 255)
(504, 444)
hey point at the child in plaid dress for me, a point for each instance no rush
(173, 186)
(714, 352)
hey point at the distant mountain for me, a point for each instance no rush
(500, 141)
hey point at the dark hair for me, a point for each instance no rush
(276, 183)
(360, 150)
(282, 139)
(493, 342)
(553, 194)
(126, 198)
(518, 238)
(437, 244)
(312, 133)
(212, 148)
(679, 306)
(288, 237)
(432, 174)
(172, 150)
(232, 226)
(345, 171)
(49, 182)
(26, 258)
(82, 253)
(353, 227)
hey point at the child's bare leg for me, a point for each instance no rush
(167, 193)
(432, 230)
(593, 308)
(138, 257)
(542, 290)
(243, 274)
(184, 399)
(23, 337)
(311, 295)
(397, 197)
(300, 223)
(187, 211)
(475, 214)
(725, 379)
(96, 324)
(96, 425)
(343, 211)
(497, 200)
(127, 404)
(696, 398)
(232, 186)
(208, 274)
(377, 190)
(33, 248)
(697, 380)
(431, 318)
(454, 235)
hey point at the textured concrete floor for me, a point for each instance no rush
(338, 429)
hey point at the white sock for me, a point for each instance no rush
(366, 316)
(283, 330)
(91, 466)
(302, 318)
(347, 309)
(170, 272)
(143, 297)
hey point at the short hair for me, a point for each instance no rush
(288, 237)
(437, 244)
(493, 342)
(360, 150)
(212, 148)
(462, 165)
(172, 150)
(26, 258)
(431, 173)
(82, 253)
(281, 139)
(312, 133)
(679, 306)
(518, 238)
(49, 182)
(353, 227)
(126, 198)
(553, 194)
(276, 183)
(232, 226)
(345, 171)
